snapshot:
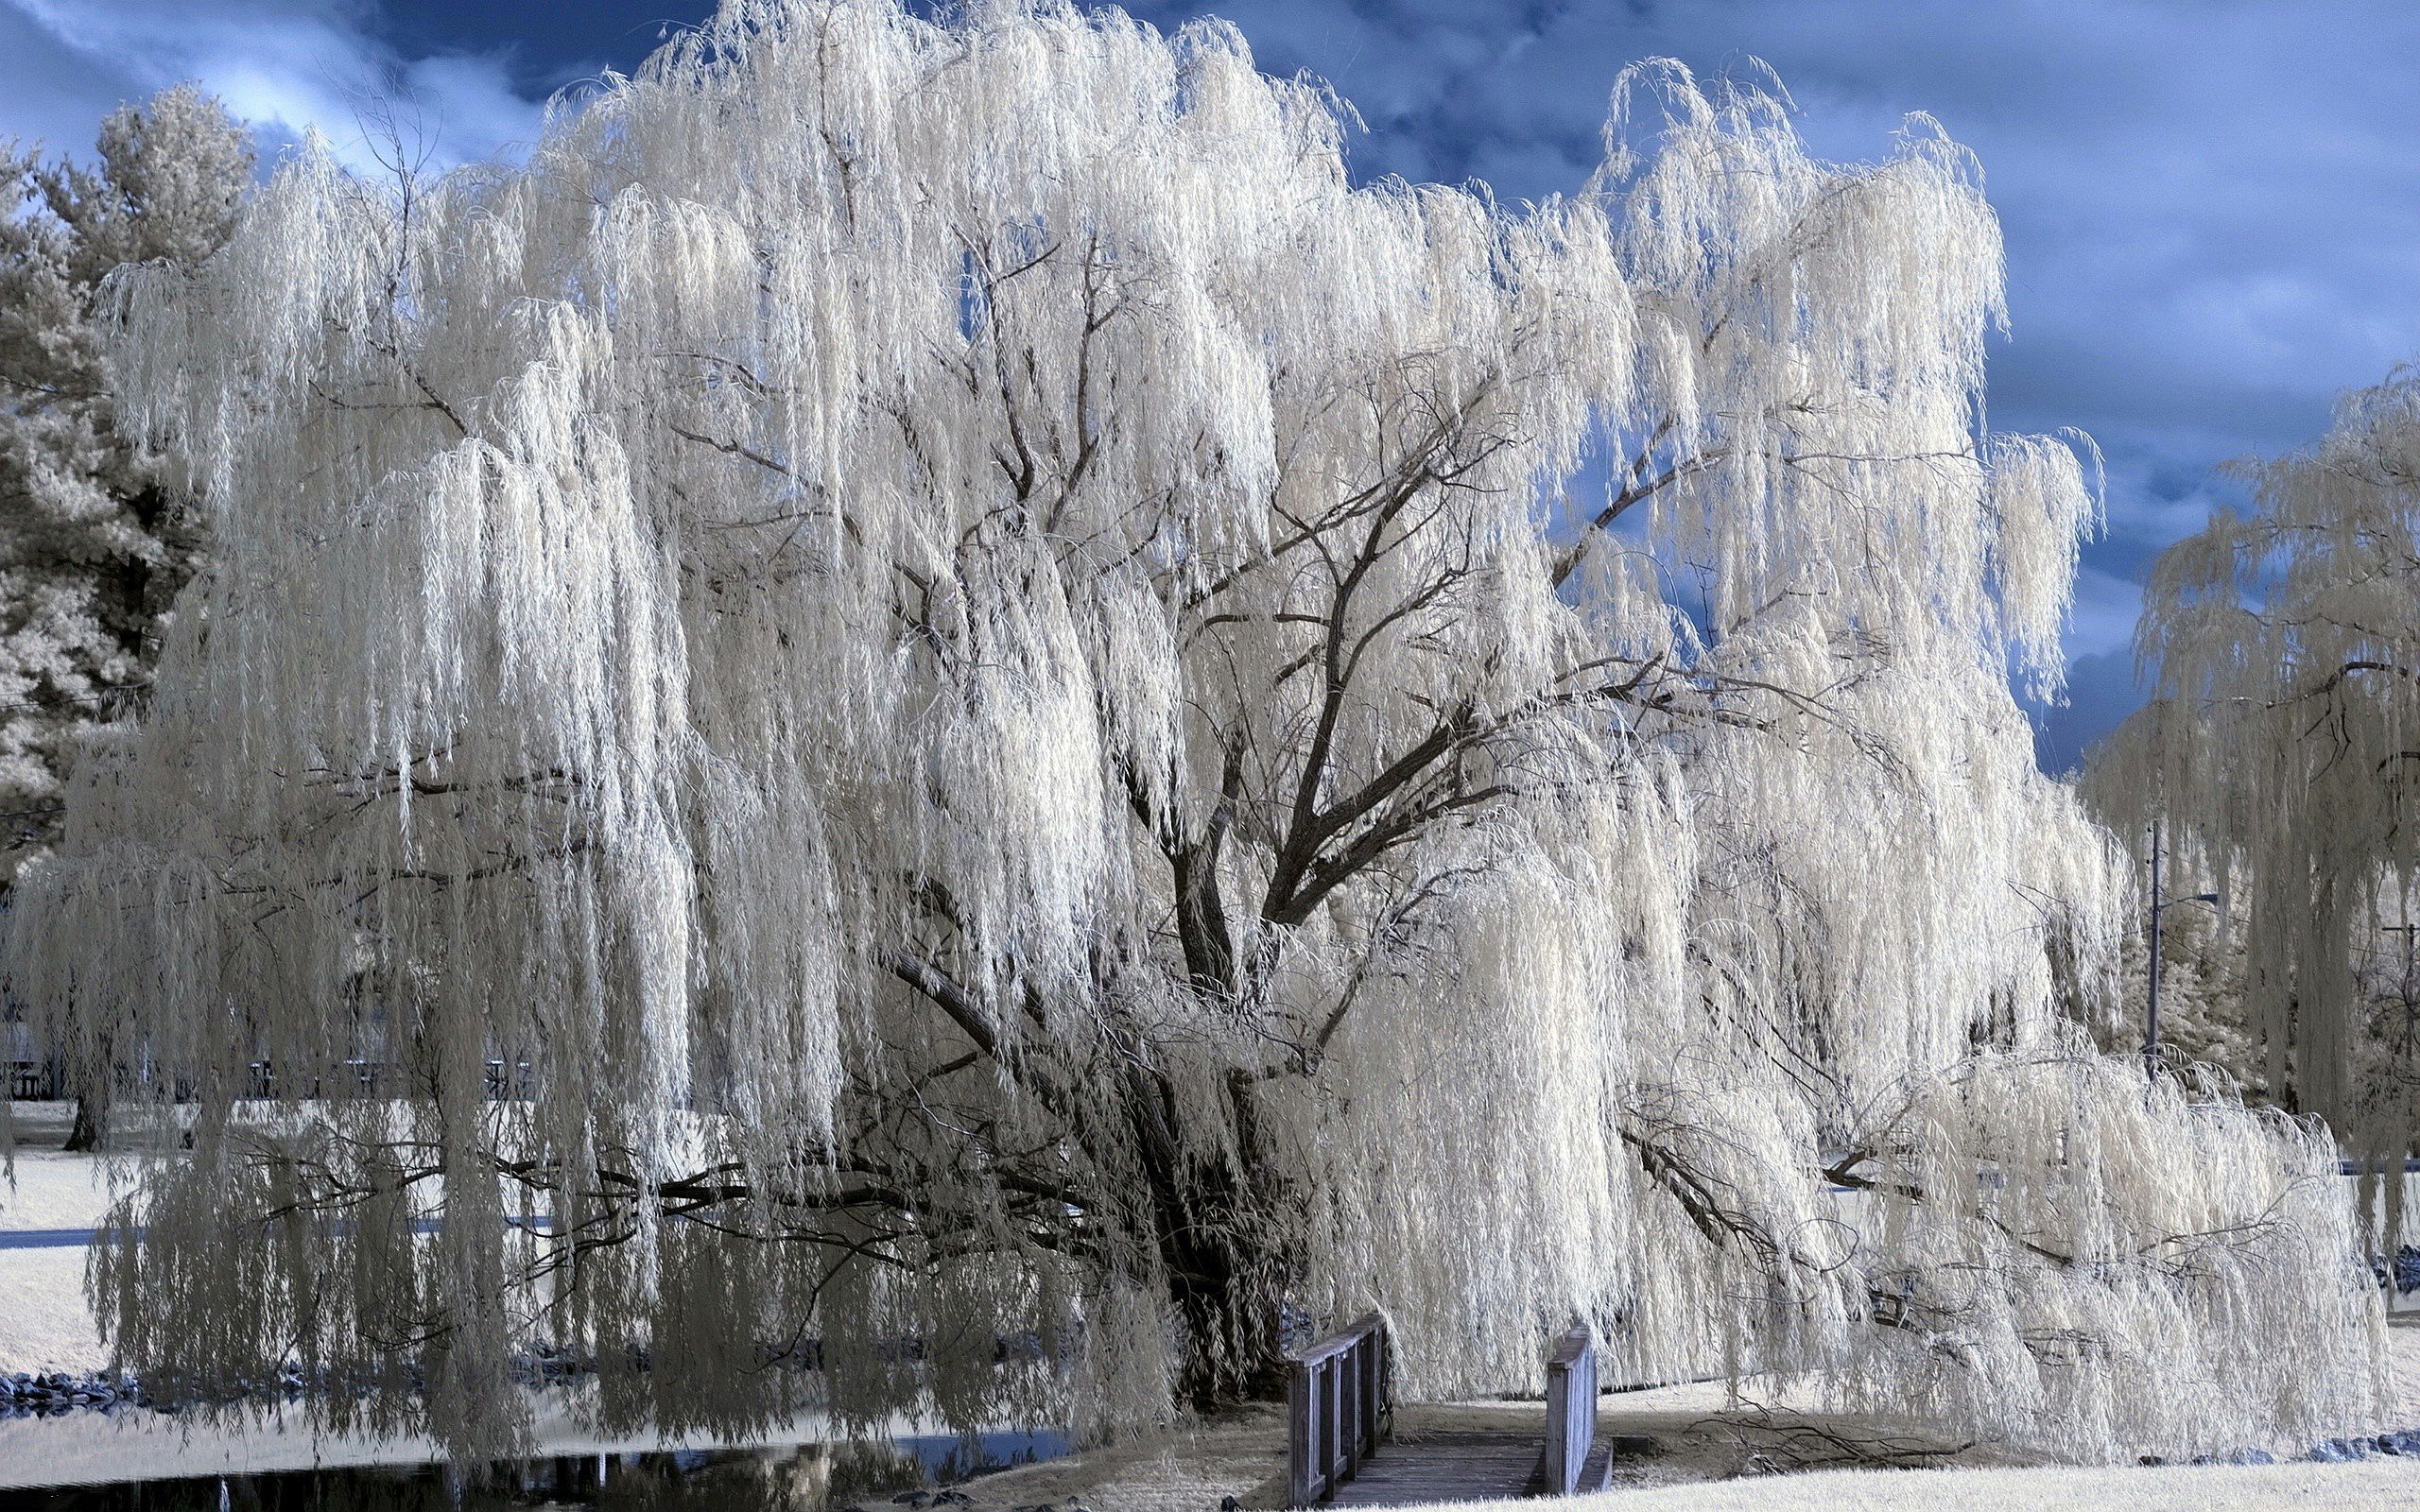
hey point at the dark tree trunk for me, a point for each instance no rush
(1222, 1246)
(1231, 1354)
(1221, 1234)
(91, 1130)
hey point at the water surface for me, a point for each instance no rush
(805, 1477)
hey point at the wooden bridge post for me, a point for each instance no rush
(1335, 1410)
(1571, 1411)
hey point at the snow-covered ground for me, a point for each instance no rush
(1700, 1440)
(2390, 1486)
(44, 1324)
(88, 1447)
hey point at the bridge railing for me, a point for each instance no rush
(1338, 1408)
(1571, 1410)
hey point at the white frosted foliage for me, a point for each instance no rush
(94, 542)
(1006, 689)
(2286, 745)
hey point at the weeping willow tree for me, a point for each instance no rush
(2285, 742)
(1017, 725)
(93, 547)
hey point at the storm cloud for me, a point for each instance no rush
(2210, 205)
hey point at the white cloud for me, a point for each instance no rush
(286, 66)
(2107, 607)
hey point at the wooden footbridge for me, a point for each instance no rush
(1342, 1448)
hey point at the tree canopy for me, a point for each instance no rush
(93, 544)
(1046, 726)
(2286, 742)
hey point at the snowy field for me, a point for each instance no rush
(45, 1325)
(98, 1447)
(1700, 1438)
(2371, 1487)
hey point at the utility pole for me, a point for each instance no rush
(2159, 907)
(2406, 989)
(2407, 931)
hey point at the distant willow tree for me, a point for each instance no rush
(2285, 742)
(1041, 720)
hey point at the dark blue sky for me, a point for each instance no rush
(2212, 206)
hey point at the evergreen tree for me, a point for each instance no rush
(95, 542)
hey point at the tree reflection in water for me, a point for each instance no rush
(785, 1478)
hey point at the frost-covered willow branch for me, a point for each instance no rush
(996, 680)
(95, 544)
(2287, 743)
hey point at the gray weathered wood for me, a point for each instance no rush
(1337, 1411)
(1445, 1467)
(1571, 1412)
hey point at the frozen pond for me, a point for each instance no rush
(96, 1462)
(791, 1478)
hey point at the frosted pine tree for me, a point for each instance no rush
(95, 542)
(91, 539)
(1010, 695)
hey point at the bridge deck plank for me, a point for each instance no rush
(1412, 1469)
